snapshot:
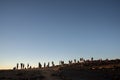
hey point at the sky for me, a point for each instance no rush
(33, 31)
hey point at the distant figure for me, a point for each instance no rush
(27, 66)
(44, 65)
(48, 64)
(92, 59)
(14, 68)
(53, 64)
(30, 67)
(74, 60)
(17, 65)
(107, 60)
(21, 65)
(39, 65)
(81, 60)
(70, 62)
(78, 62)
(61, 63)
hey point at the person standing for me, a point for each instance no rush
(39, 65)
(28, 66)
(17, 66)
(53, 64)
(21, 65)
(44, 65)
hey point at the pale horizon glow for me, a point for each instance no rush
(33, 31)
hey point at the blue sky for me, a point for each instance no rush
(33, 31)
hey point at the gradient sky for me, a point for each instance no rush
(33, 31)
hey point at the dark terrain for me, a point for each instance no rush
(88, 70)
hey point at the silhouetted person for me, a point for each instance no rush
(44, 65)
(78, 62)
(30, 67)
(27, 66)
(17, 65)
(39, 65)
(74, 60)
(70, 62)
(82, 60)
(14, 68)
(92, 59)
(53, 64)
(61, 63)
(21, 65)
(107, 60)
(48, 64)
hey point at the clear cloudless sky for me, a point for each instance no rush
(33, 31)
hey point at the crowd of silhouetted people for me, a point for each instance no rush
(22, 66)
(81, 62)
(108, 68)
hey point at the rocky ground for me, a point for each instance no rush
(63, 74)
(21, 75)
(68, 72)
(33, 74)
